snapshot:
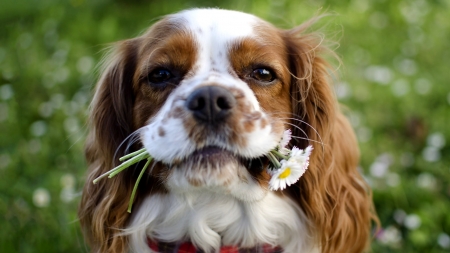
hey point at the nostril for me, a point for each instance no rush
(201, 103)
(223, 103)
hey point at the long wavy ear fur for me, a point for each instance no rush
(332, 192)
(103, 208)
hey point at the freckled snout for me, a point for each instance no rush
(210, 104)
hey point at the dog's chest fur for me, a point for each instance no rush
(210, 220)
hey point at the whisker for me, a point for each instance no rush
(302, 121)
(130, 140)
(299, 128)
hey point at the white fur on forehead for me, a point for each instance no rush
(232, 24)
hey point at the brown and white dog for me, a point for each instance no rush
(209, 92)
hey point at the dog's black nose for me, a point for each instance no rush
(210, 104)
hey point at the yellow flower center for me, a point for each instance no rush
(285, 173)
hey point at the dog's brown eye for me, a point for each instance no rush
(263, 75)
(159, 76)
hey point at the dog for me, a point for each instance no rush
(209, 92)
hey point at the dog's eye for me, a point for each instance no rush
(263, 75)
(159, 76)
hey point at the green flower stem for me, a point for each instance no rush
(123, 158)
(128, 163)
(277, 153)
(133, 193)
(274, 160)
(122, 166)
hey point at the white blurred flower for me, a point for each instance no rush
(68, 188)
(412, 221)
(391, 236)
(378, 74)
(436, 140)
(46, 109)
(364, 134)
(355, 119)
(406, 66)
(85, 64)
(422, 86)
(379, 169)
(342, 90)
(414, 11)
(38, 128)
(400, 87)
(67, 195)
(67, 181)
(71, 125)
(399, 216)
(444, 240)
(57, 100)
(6, 92)
(41, 197)
(427, 181)
(431, 154)
(60, 75)
(392, 179)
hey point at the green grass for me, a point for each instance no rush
(394, 83)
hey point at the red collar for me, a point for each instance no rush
(188, 247)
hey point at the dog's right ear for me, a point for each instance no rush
(103, 206)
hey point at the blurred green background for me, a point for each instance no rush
(394, 83)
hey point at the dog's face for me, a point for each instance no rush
(208, 93)
(212, 97)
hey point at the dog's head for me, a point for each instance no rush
(208, 93)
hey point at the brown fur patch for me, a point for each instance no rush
(168, 46)
(195, 182)
(161, 132)
(263, 123)
(268, 51)
(249, 126)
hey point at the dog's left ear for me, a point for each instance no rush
(331, 192)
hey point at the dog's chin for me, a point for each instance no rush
(215, 168)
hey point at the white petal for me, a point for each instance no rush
(287, 135)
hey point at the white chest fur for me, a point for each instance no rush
(210, 220)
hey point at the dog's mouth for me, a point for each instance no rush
(217, 157)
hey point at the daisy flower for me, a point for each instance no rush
(292, 166)
(300, 156)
